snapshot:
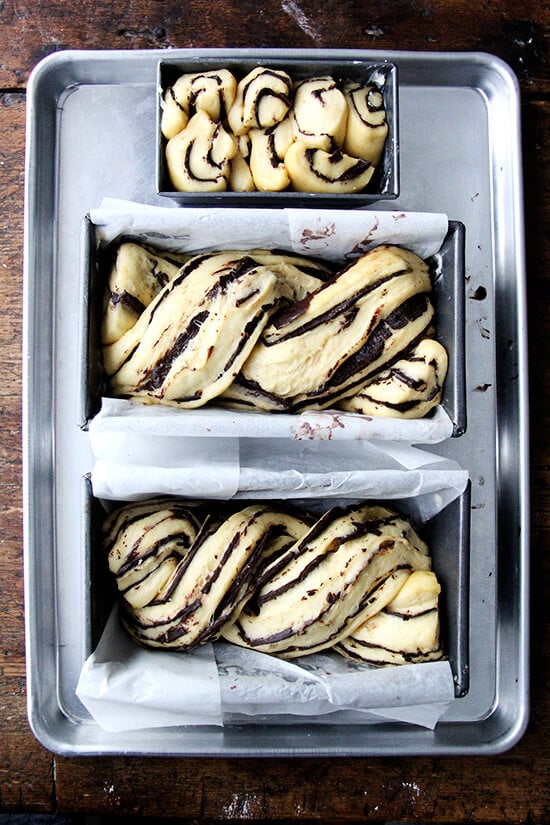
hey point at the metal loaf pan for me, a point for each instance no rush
(447, 535)
(385, 181)
(447, 268)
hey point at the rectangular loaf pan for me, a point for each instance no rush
(447, 535)
(384, 185)
(448, 278)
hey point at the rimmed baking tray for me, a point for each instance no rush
(384, 183)
(459, 154)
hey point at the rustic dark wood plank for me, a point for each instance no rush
(516, 31)
(352, 790)
(508, 789)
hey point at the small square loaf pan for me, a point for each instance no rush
(447, 535)
(384, 184)
(448, 280)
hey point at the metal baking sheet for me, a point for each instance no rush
(459, 154)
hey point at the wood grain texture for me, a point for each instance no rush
(516, 31)
(351, 790)
(511, 788)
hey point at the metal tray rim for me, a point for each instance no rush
(506, 737)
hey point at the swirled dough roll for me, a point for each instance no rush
(268, 150)
(319, 114)
(320, 349)
(240, 176)
(199, 157)
(318, 592)
(208, 587)
(191, 341)
(410, 388)
(137, 274)
(263, 99)
(315, 170)
(405, 631)
(211, 92)
(145, 543)
(366, 128)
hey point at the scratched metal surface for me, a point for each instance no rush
(455, 157)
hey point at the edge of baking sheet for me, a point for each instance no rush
(502, 727)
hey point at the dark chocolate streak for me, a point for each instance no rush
(174, 98)
(161, 277)
(194, 96)
(308, 266)
(266, 91)
(318, 93)
(246, 298)
(289, 632)
(155, 376)
(232, 597)
(370, 527)
(148, 573)
(299, 308)
(250, 327)
(127, 300)
(407, 656)
(188, 164)
(240, 587)
(136, 556)
(408, 380)
(373, 348)
(272, 152)
(257, 391)
(190, 267)
(240, 268)
(354, 171)
(404, 406)
(184, 272)
(370, 106)
(137, 514)
(185, 611)
(407, 616)
(208, 527)
(211, 162)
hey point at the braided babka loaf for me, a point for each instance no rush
(356, 580)
(273, 331)
(268, 133)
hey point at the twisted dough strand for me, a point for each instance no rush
(269, 579)
(278, 332)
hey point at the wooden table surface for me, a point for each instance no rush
(511, 788)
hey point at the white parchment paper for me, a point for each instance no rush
(334, 234)
(125, 687)
(133, 462)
